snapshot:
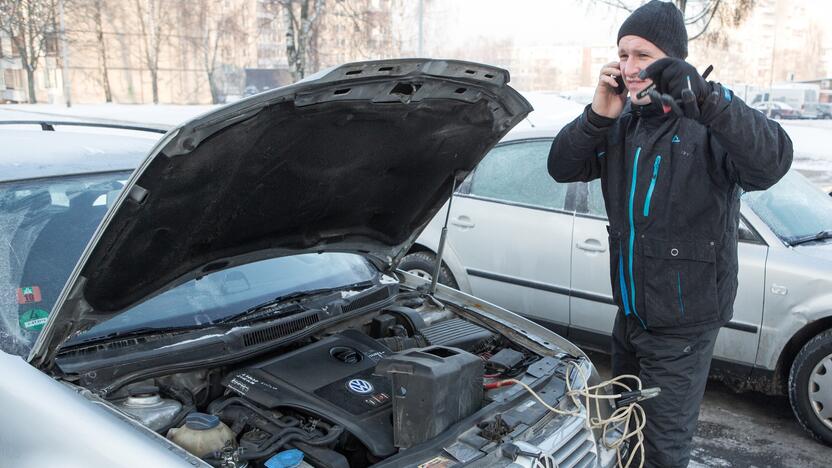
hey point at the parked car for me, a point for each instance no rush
(244, 277)
(824, 110)
(539, 248)
(778, 110)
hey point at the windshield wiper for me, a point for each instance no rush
(822, 235)
(269, 309)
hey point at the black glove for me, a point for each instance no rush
(676, 81)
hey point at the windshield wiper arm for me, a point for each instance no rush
(267, 309)
(822, 235)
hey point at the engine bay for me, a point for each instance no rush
(349, 395)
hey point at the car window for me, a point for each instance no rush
(793, 208)
(595, 200)
(44, 226)
(517, 173)
(746, 234)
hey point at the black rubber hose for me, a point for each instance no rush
(184, 396)
(290, 434)
(285, 421)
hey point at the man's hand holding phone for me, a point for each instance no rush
(611, 93)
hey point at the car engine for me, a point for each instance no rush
(350, 396)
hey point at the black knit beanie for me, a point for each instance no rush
(660, 23)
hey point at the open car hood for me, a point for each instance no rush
(358, 158)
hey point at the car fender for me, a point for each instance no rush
(534, 335)
(805, 307)
(50, 423)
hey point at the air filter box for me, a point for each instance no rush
(433, 388)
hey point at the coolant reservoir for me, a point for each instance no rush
(145, 404)
(202, 434)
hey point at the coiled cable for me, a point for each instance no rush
(628, 417)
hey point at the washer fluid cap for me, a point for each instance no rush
(201, 421)
(285, 459)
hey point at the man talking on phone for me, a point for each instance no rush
(673, 160)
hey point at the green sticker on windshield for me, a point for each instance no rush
(33, 319)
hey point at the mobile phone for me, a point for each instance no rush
(619, 79)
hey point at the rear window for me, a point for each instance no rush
(44, 226)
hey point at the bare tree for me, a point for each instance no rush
(152, 21)
(369, 29)
(98, 13)
(93, 15)
(218, 26)
(30, 24)
(300, 22)
(700, 15)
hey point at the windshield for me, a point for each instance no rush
(44, 226)
(793, 208)
(225, 293)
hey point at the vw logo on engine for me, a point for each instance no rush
(360, 386)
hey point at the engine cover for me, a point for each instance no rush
(332, 379)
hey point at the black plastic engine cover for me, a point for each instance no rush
(332, 379)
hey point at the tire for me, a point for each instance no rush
(810, 387)
(423, 264)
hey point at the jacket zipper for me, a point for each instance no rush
(652, 185)
(633, 237)
(622, 283)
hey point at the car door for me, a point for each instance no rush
(738, 340)
(591, 305)
(511, 227)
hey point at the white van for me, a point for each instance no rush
(802, 96)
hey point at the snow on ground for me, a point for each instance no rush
(812, 140)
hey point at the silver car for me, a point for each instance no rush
(235, 301)
(539, 248)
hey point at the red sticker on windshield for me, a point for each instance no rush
(28, 295)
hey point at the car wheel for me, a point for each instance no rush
(810, 387)
(423, 264)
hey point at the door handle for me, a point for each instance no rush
(463, 222)
(591, 245)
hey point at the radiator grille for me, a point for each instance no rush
(576, 447)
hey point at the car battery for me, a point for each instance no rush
(432, 389)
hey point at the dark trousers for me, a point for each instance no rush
(679, 365)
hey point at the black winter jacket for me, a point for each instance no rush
(672, 192)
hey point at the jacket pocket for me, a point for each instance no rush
(680, 283)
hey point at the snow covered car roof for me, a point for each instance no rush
(27, 153)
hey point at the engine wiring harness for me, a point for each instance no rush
(628, 418)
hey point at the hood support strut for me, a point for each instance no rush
(441, 248)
